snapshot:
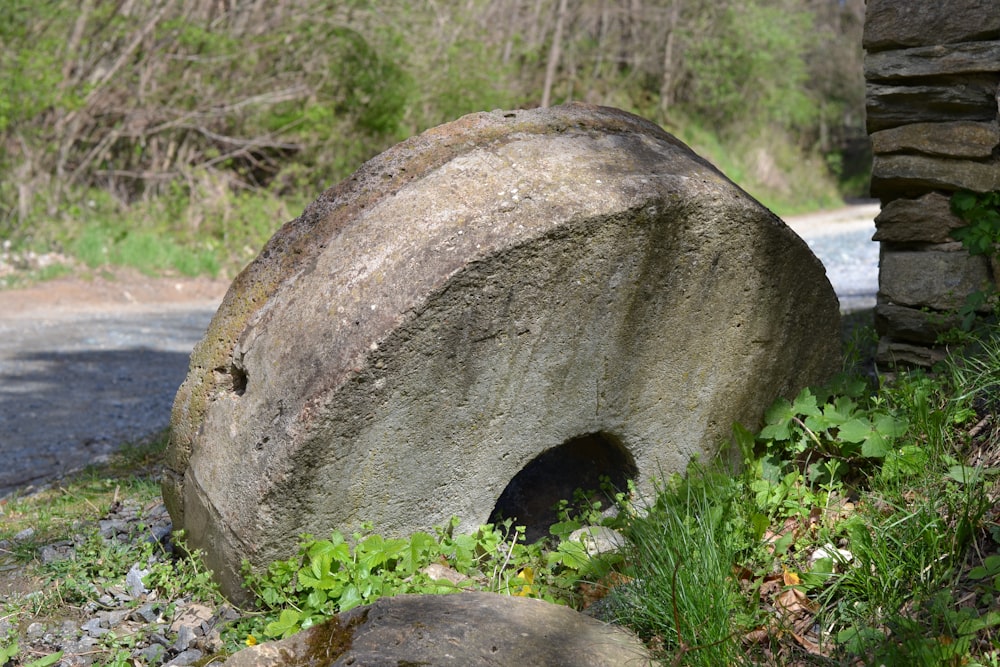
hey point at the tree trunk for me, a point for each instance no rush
(554, 53)
(669, 66)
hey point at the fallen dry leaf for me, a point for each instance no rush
(794, 602)
(592, 592)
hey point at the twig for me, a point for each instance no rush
(72, 495)
(809, 431)
(978, 428)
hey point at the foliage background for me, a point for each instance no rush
(200, 125)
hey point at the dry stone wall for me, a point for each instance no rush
(933, 82)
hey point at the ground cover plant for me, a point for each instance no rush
(861, 527)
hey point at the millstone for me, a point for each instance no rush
(570, 287)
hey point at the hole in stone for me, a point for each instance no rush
(239, 380)
(531, 497)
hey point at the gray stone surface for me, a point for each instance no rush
(931, 279)
(956, 140)
(926, 219)
(912, 324)
(929, 61)
(462, 629)
(897, 353)
(474, 297)
(899, 23)
(912, 175)
(970, 98)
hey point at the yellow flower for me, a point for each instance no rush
(527, 575)
(251, 640)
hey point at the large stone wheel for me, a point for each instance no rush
(567, 292)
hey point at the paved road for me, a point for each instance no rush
(75, 384)
(842, 241)
(74, 388)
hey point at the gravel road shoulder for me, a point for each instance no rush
(86, 366)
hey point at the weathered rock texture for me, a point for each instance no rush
(462, 629)
(933, 73)
(491, 290)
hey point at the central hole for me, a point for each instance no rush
(530, 499)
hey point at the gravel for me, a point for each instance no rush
(158, 631)
(841, 239)
(74, 388)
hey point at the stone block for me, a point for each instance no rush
(901, 23)
(912, 325)
(927, 219)
(567, 291)
(891, 353)
(933, 61)
(955, 140)
(931, 279)
(912, 175)
(968, 99)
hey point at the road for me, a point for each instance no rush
(842, 241)
(87, 366)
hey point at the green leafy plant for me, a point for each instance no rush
(981, 212)
(826, 440)
(330, 576)
(980, 236)
(13, 650)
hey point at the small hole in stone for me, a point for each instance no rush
(239, 380)
(531, 497)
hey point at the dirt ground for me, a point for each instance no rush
(125, 289)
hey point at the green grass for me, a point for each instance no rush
(844, 539)
(189, 232)
(202, 227)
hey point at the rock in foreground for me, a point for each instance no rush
(463, 629)
(481, 318)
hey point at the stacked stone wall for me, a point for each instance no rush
(932, 69)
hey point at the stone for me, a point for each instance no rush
(441, 572)
(893, 24)
(927, 219)
(185, 637)
(188, 657)
(148, 613)
(971, 98)
(459, 629)
(95, 627)
(931, 279)
(110, 528)
(598, 539)
(937, 60)
(958, 140)
(133, 581)
(153, 654)
(912, 175)
(196, 616)
(890, 353)
(117, 617)
(913, 325)
(569, 285)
